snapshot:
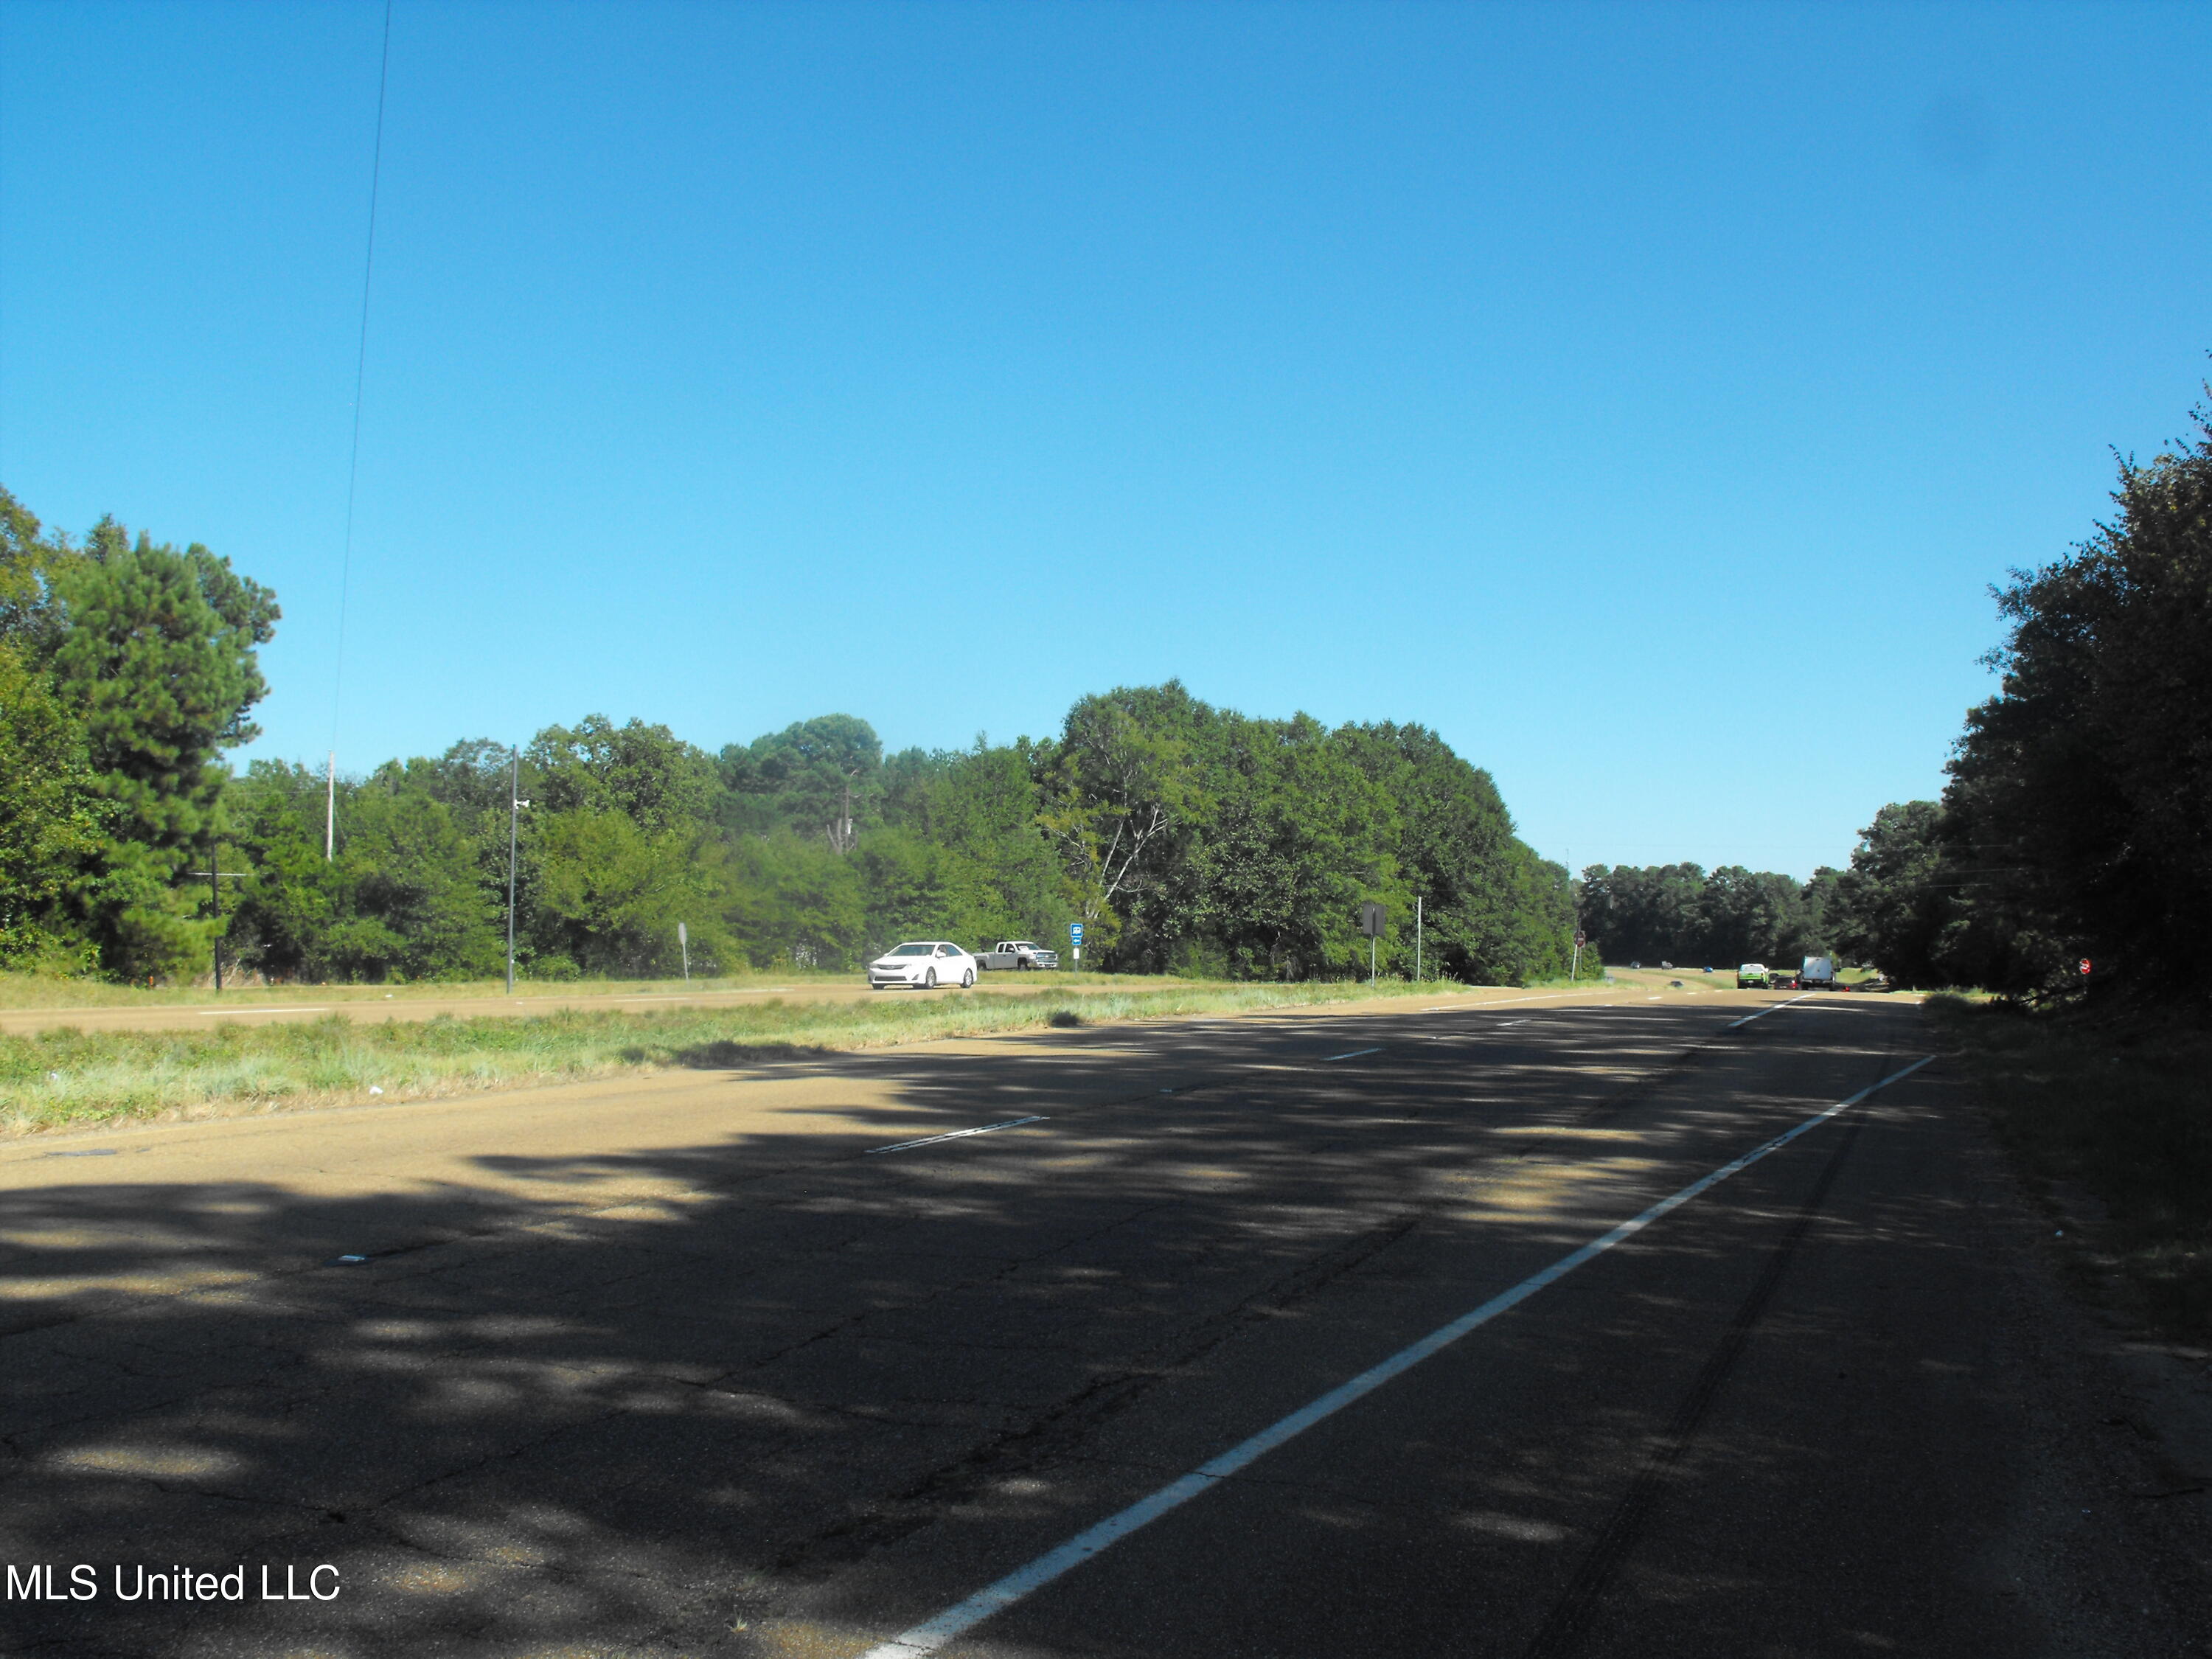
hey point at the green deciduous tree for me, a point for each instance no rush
(1121, 790)
(816, 777)
(610, 892)
(795, 902)
(646, 773)
(2080, 795)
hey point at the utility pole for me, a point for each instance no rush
(1416, 938)
(330, 810)
(514, 805)
(214, 873)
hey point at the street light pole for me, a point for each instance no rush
(1416, 938)
(514, 810)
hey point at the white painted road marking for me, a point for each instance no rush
(1354, 1054)
(957, 1135)
(1514, 1002)
(1763, 1012)
(956, 1620)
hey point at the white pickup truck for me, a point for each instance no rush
(1016, 953)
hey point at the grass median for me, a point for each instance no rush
(2121, 1117)
(65, 1078)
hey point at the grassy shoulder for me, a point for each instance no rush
(33, 992)
(64, 1077)
(2123, 1118)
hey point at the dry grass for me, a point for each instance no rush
(65, 1078)
(48, 991)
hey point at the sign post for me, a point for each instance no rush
(514, 805)
(683, 944)
(1574, 968)
(1371, 923)
(1075, 942)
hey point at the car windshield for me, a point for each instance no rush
(914, 950)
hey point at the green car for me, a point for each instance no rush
(1751, 975)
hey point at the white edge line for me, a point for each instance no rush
(287, 1009)
(1770, 1008)
(956, 1620)
(957, 1135)
(1354, 1054)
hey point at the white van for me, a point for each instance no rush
(1819, 974)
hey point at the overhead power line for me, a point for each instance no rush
(353, 459)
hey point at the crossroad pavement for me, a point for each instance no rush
(1315, 1335)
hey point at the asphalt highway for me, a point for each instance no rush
(798, 1361)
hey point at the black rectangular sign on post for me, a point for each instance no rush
(1370, 919)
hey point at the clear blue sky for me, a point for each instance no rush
(1645, 397)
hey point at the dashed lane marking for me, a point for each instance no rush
(1770, 1008)
(1354, 1054)
(957, 1135)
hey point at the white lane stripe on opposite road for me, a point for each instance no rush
(219, 1011)
(956, 1620)
(1770, 1008)
(1510, 1002)
(957, 1135)
(1354, 1054)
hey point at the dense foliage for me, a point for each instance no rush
(2077, 822)
(1185, 837)
(129, 667)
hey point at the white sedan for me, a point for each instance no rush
(924, 965)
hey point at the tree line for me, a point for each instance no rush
(1186, 838)
(2076, 823)
(1680, 912)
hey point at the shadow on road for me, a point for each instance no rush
(525, 1425)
